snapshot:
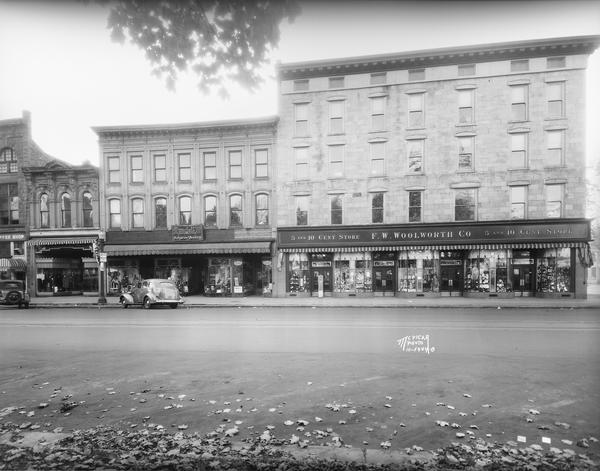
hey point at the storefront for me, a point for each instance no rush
(13, 264)
(64, 266)
(227, 268)
(487, 259)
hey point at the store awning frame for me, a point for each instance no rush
(63, 241)
(13, 264)
(119, 250)
(395, 248)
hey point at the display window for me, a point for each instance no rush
(384, 267)
(418, 271)
(486, 271)
(219, 277)
(298, 273)
(123, 274)
(352, 273)
(321, 265)
(554, 271)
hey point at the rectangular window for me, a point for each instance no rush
(416, 118)
(518, 202)
(336, 209)
(336, 117)
(466, 69)
(137, 170)
(416, 74)
(336, 82)
(378, 78)
(185, 167)
(44, 211)
(185, 211)
(518, 150)
(378, 113)
(465, 107)
(377, 207)
(9, 204)
(555, 94)
(415, 199)
(464, 204)
(555, 148)
(301, 85)
(301, 210)
(519, 95)
(301, 119)
(554, 200)
(137, 212)
(114, 208)
(114, 169)
(301, 162)
(235, 164)
(415, 155)
(556, 62)
(336, 161)
(160, 168)
(262, 209)
(210, 165)
(160, 211)
(520, 65)
(261, 163)
(465, 153)
(377, 150)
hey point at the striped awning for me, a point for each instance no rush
(13, 263)
(395, 248)
(63, 241)
(182, 249)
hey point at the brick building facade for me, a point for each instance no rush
(439, 172)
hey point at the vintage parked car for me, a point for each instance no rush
(12, 293)
(151, 292)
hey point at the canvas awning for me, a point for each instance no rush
(393, 248)
(13, 263)
(181, 249)
(63, 241)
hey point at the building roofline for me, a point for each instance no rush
(441, 56)
(182, 127)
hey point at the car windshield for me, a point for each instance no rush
(166, 284)
(11, 285)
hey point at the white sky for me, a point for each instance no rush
(58, 62)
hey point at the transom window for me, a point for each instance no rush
(8, 161)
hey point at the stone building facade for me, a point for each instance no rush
(455, 171)
(191, 202)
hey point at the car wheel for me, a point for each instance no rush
(124, 304)
(26, 305)
(14, 297)
(147, 303)
(173, 306)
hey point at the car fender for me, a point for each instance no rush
(128, 298)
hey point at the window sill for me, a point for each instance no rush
(466, 125)
(210, 180)
(521, 121)
(465, 171)
(374, 131)
(555, 118)
(137, 183)
(555, 167)
(301, 136)
(183, 181)
(160, 182)
(414, 174)
(416, 128)
(261, 178)
(518, 169)
(336, 134)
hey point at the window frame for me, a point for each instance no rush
(336, 214)
(207, 212)
(66, 213)
(333, 128)
(260, 209)
(301, 120)
(519, 65)
(464, 70)
(550, 100)
(8, 164)
(416, 113)
(515, 101)
(138, 214)
(300, 85)
(157, 169)
(114, 174)
(136, 175)
(466, 111)
(263, 166)
(237, 211)
(515, 149)
(300, 212)
(87, 212)
(44, 213)
(162, 214)
(378, 78)
(9, 196)
(301, 161)
(378, 115)
(181, 213)
(375, 159)
(412, 207)
(416, 75)
(419, 145)
(463, 151)
(336, 160)
(560, 201)
(377, 211)
(472, 204)
(238, 167)
(112, 216)
(338, 81)
(515, 203)
(183, 168)
(206, 167)
(551, 150)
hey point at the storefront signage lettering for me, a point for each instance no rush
(383, 263)
(12, 236)
(321, 264)
(188, 232)
(576, 230)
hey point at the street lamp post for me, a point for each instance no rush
(102, 260)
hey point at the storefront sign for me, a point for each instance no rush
(12, 236)
(383, 263)
(187, 232)
(321, 264)
(498, 232)
(450, 262)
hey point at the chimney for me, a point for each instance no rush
(27, 120)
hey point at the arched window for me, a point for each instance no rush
(114, 209)
(137, 212)
(262, 209)
(160, 210)
(8, 161)
(44, 213)
(65, 208)
(235, 210)
(210, 211)
(88, 216)
(185, 211)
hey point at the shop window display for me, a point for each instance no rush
(487, 271)
(417, 272)
(407, 275)
(123, 274)
(554, 271)
(219, 276)
(352, 273)
(298, 273)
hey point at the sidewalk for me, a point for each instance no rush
(593, 302)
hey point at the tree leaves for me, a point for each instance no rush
(218, 40)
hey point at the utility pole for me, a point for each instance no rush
(101, 258)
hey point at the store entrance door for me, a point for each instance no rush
(451, 277)
(522, 279)
(321, 264)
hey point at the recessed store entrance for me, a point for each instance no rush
(523, 271)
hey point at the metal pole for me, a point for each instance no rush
(102, 298)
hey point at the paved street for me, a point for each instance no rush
(264, 366)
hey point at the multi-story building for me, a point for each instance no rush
(455, 171)
(190, 202)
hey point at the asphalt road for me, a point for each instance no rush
(263, 366)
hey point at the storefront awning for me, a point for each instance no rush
(63, 241)
(180, 249)
(13, 263)
(394, 248)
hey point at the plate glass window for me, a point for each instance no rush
(88, 209)
(377, 207)
(465, 153)
(518, 150)
(210, 165)
(301, 210)
(555, 148)
(377, 150)
(261, 163)
(185, 211)
(114, 209)
(519, 102)
(235, 164)
(301, 119)
(185, 167)
(137, 213)
(415, 155)
(518, 202)
(337, 209)
(262, 209)
(336, 117)
(160, 211)
(464, 204)
(554, 200)
(415, 199)
(465, 106)
(160, 168)
(336, 161)
(235, 210)
(210, 211)
(416, 117)
(555, 92)
(137, 170)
